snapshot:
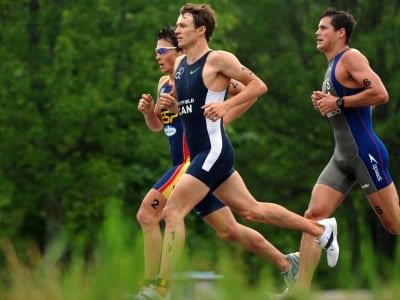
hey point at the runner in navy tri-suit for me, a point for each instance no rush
(202, 77)
(209, 146)
(215, 213)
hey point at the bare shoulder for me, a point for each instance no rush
(354, 57)
(163, 79)
(222, 60)
(220, 56)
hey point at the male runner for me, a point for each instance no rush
(202, 77)
(210, 209)
(349, 91)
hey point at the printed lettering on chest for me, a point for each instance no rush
(186, 106)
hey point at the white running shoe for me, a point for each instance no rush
(286, 294)
(147, 293)
(328, 241)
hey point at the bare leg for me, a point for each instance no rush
(183, 199)
(149, 217)
(227, 228)
(385, 203)
(310, 255)
(234, 193)
(324, 201)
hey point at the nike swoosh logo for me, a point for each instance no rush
(194, 71)
(329, 243)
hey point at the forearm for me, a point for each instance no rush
(366, 97)
(153, 122)
(237, 111)
(248, 96)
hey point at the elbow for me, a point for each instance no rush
(262, 89)
(384, 97)
(155, 128)
(152, 129)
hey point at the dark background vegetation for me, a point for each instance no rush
(71, 137)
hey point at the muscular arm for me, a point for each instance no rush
(353, 71)
(221, 67)
(360, 74)
(236, 87)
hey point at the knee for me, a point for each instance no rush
(171, 216)
(312, 214)
(251, 214)
(228, 233)
(146, 219)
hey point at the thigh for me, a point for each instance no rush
(188, 192)
(155, 200)
(371, 176)
(385, 203)
(213, 176)
(208, 205)
(374, 161)
(221, 219)
(335, 177)
(324, 201)
(234, 193)
(170, 178)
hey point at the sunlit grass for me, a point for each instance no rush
(116, 267)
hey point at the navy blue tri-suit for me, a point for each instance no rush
(180, 159)
(210, 149)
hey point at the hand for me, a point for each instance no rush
(315, 96)
(324, 102)
(168, 101)
(146, 104)
(214, 111)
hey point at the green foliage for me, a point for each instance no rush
(115, 268)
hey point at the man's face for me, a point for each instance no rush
(325, 34)
(185, 31)
(165, 56)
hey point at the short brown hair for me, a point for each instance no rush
(203, 15)
(341, 19)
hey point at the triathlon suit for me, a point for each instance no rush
(359, 155)
(173, 129)
(210, 149)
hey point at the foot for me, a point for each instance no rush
(328, 241)
(147, 293)
(290, 276)
(287, 294)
